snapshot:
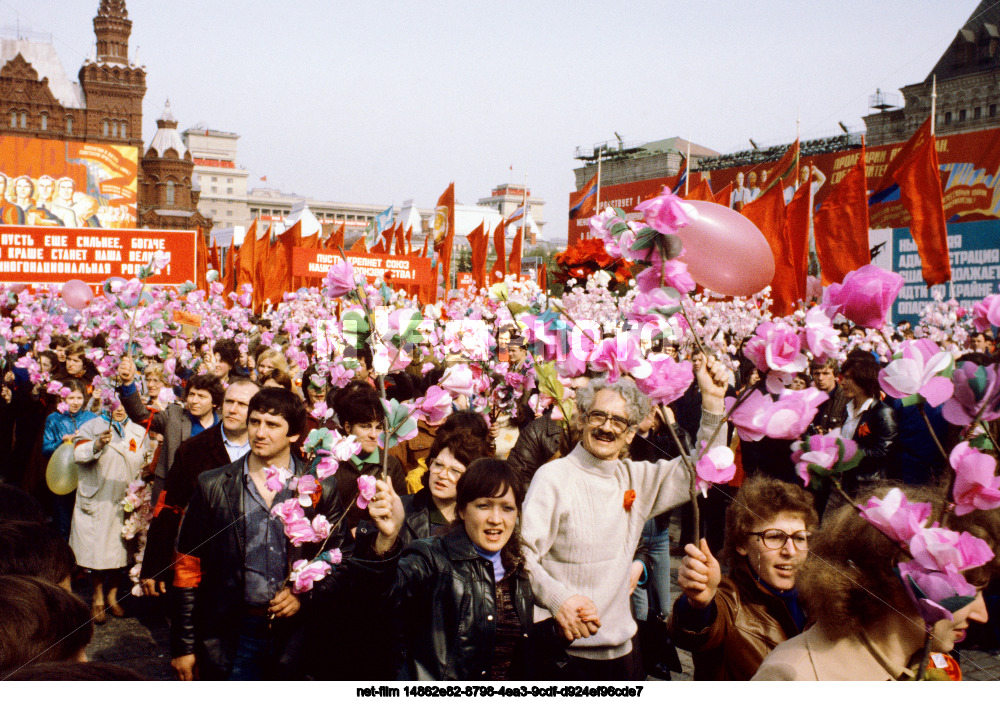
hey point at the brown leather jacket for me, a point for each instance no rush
(748, 623)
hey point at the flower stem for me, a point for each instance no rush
(930, 428)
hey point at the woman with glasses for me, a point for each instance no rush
(359, 410)
(431, 511)
(731, 623)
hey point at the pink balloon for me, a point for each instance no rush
(77, 294)
(724, 251)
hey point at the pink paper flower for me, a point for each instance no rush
(976, 483)
(895, 516)
(339, 279)
(619, 355)
(327, 466)
(749, 416)
(785, 419)
(276, 477)
(305, 573)
(865, 296)
(975, 387)
(717, 466)
(366, 489)
(321, 412)
(822, 452)
(822, 339)
(917, 371)
(776, 346)
(458, 380)
(306, 487)
(929, 588)
(668, 380)
(289, 511)
(664, 213)
(986, 313)
(945, 550)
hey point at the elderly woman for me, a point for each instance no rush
(730, 623)
(584, 514)
(866, 626)
(110, 455)
(464, 596)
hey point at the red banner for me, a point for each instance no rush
(969, 165)
(42, 255)
(398, 270)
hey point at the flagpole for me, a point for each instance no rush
(687, 170)
(524, 224)
(797, 137)
(933, 101)
(597, 203)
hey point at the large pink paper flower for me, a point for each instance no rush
(986, 313)
(717, 466)
(664, 213)
(776, 346)
(945, 550)
(917, 371)
(895, 516)
(339, 279)
(458, 380)
(976, 483)
(668, 380)
(865, 296)
(785, 419)
(749, 417)
(435, 405)
(822, 452)
(305, 573)
(929, 589)
(822, 339)
(977, 393)
(618, 355)
(306, 487)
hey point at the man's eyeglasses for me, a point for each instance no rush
(453, 472)
(774, 539)
(597, 418)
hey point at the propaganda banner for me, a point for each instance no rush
(45, 182)
(396, 270)
(43, 255)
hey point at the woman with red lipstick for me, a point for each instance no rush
(731, 623)
(464, 596)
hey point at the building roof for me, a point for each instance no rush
(43, 58)
(677, 145)
(975, 47)
(167, 137)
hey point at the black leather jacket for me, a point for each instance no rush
(207, 618)
(446, 595)
(875, 435)
(536, 444)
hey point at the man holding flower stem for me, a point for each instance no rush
(583, 516)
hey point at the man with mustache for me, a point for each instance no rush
(583, 516)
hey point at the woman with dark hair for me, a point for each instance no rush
(464, 596)
(870, 422)
(867, 627)
(41, 622)
(731, 623)
(432, 510)
(360, 412)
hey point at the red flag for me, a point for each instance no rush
(500, 246)
(384, 244)
(543, 277)
(796, 234)
(723, 195)
(702, 191)
(245, 259)
(278, 273)
(427, 238)
(479, 242)
(305, 242)
(359, 245)
(787, 167)
(841, 226)
(443, 230)
(915, 170)
(336, 240)
(582, 202)
(409, 241)
(229, 280)
(262, 249)
(514, 262)
(201, 263)
(215, 258)
(400, 240)
(767, 213)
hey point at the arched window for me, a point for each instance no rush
(69, 125)
(106, 127)
(24, 120)
(114, 130)
(44, 122)
(124, 130)
(170, 192)
(13, 120)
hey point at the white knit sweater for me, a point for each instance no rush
(579, 539)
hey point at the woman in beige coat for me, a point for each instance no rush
(110, 456)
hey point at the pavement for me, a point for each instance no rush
(140, 641)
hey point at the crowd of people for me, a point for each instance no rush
(459, 493)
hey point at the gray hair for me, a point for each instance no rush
(636, 403)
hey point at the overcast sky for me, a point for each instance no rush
(378, 102)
